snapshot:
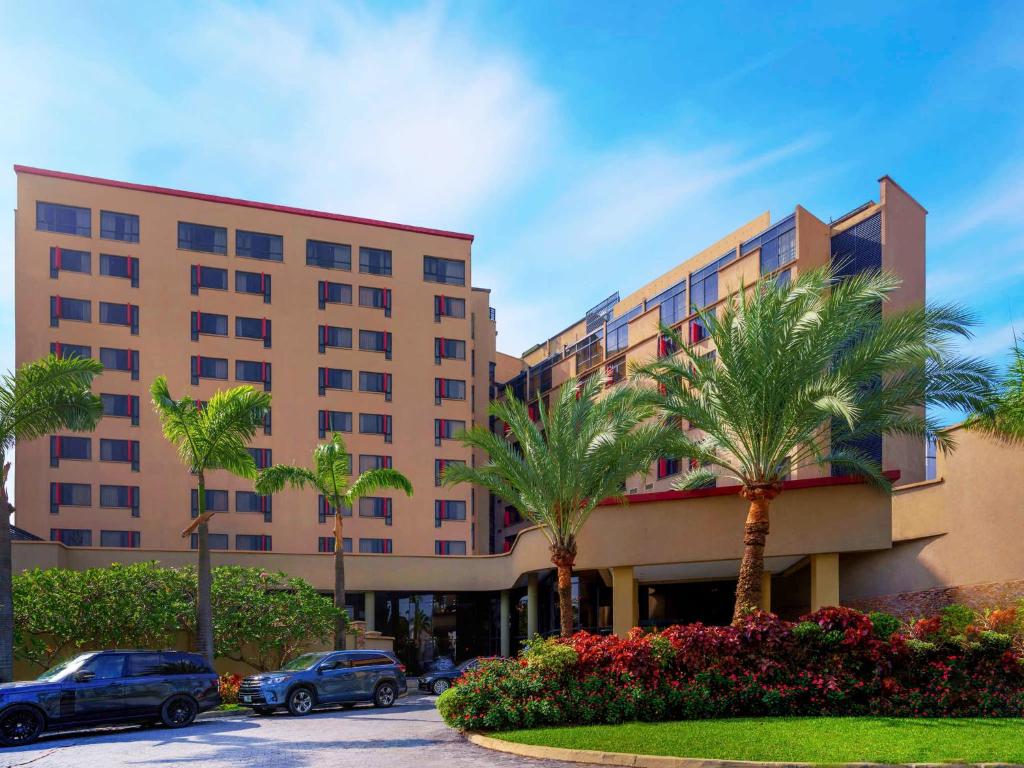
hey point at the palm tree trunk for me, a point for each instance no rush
(204, 608)
(6, 597)
(339, 581)
(755, 532)
(564, 557)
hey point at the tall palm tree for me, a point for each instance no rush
(41, 397)
(330, 477)
(805, 375)
(214, 436)
(1003, 415)
(556, 471)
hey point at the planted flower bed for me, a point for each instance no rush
(835, 662)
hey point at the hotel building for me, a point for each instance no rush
(373, 329)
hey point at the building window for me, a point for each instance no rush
(448, 510)
(449, 349)
(72, 537)
(67, 260)
(448, 271)
(704, 282)
(263, 457)
(65, 351)
(253, 328)
(120, 266)
(673, 308)
(247, 542)
(449, 548)
(126, 360)
(375, 424)
(447, 306)
(376, 506)
(333, 293)
(121, 406)
(125, 451)
(69, 309)
(325, 510)
(778, 252)
(328, 255)
(208, 368)
(202, 237)
(124, 539)
(446, 429)
(213, 540)
(213, 278)
(248, 501)
(666, 345)
(375, 546)
(377, 298)
(449, 389)
(69, 495)
(698, 330)
(333, 421)
(373, 461)
(668, 467)
(333, 378)
(370, 381)
(326, 544)
(120, 497)
(119, 226)
(254, 371)
(208, 324)
(440, 465)
(253, 282)
(216, 501)
(120, 314)
(376, 341)
(616, 371)
(257, 245)
(66, 219)
(375, 261)
(618, 339)
(335, 337)
(69, 449)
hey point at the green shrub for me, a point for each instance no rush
(884, 624)
(956, 619)
(808, 632)
(549, 657)
(995, 641)
(921, 647)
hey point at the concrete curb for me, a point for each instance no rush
(594, 757)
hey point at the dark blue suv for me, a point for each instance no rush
(108, 687)
(330, 677)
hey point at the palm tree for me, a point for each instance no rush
(330, 477)
(214, 436)
(809, 374)
(41, 397)
(556, 471)
(1003, 415)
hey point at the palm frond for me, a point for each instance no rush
(374, 480)
(280, 476)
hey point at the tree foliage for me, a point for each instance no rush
(1003, 414)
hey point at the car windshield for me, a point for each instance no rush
(305, 661)
(65, 668)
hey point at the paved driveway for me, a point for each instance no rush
(409, 735)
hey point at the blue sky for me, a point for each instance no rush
(589, 147)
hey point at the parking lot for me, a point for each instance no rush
(409, 735)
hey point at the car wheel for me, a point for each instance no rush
(384, 696)
(440, 686)
(263, 710)
(300, 701)
(20, 726)
(178, 711)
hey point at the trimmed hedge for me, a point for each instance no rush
(836, 661)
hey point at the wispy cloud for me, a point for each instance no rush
(999, 201)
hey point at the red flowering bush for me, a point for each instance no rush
(833, 662)
(228, 685)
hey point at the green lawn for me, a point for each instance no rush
(800, 739)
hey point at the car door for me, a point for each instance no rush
(96, 692)
(369, 667)
(147, 684)
(335, 679)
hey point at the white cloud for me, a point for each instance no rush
(995, 343)
(999, 201)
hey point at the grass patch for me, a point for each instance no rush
(228, 708)
(799, 739)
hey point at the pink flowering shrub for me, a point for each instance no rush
(833, 662)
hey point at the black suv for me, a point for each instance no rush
(108, 687)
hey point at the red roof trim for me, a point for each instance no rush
(730, 490)
(237, 201)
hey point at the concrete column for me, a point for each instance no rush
(766, 592)
(370, 610)
(532, 604)
(625, 607)
(824, 580)
(506, 635)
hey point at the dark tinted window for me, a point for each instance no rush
(448, 271)
(145, 664)
(249, 282)
(116, 266)
(116, 359)
(119, 226)
(185, 664)
(375, 261)
(329, 255)
(105, 666)
(200, 237)
(51, 217)
(213, 277)
(257, 245)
